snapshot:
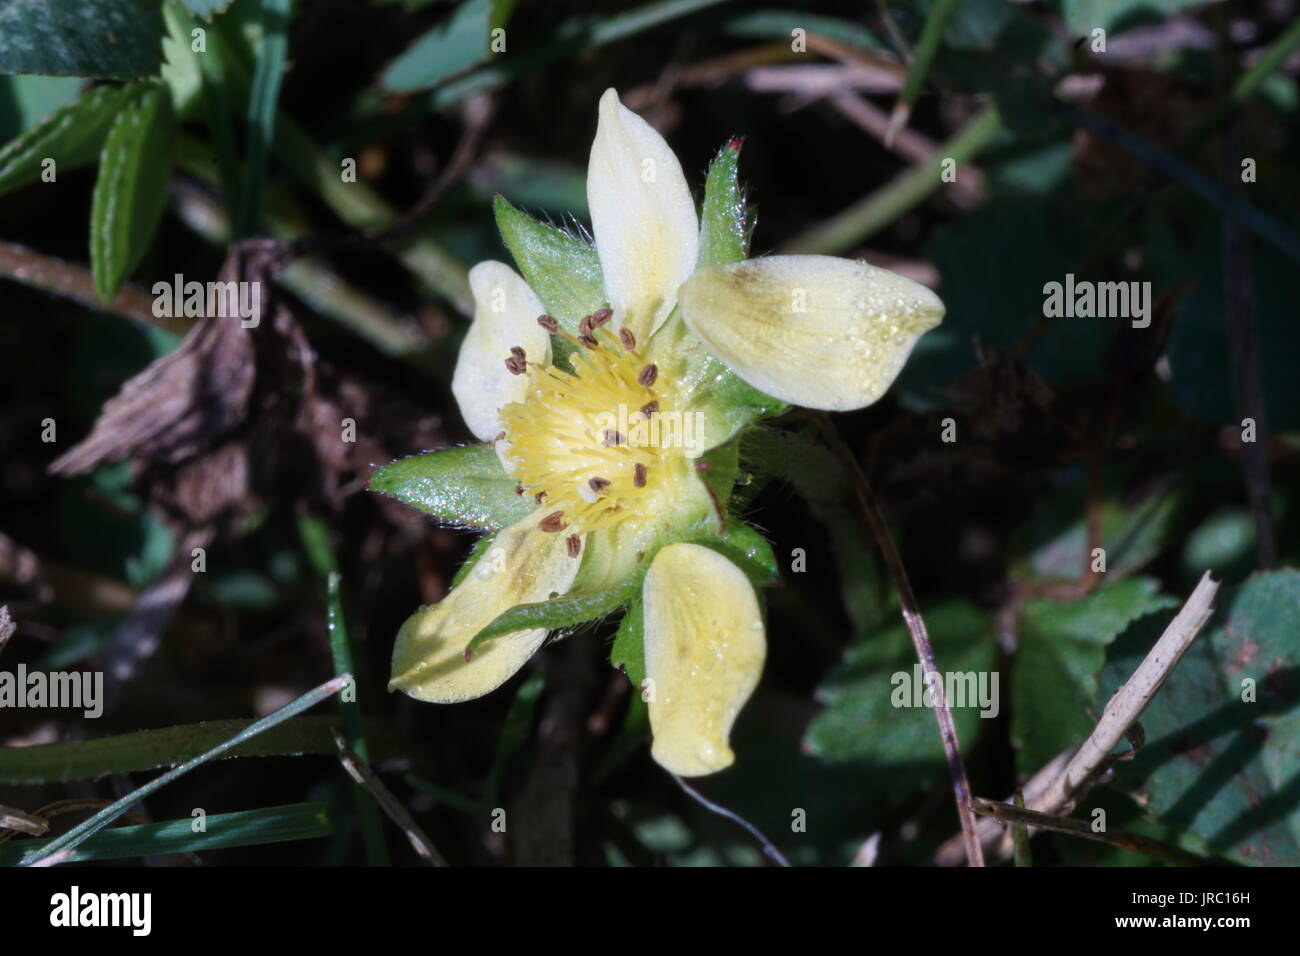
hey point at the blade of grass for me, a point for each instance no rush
(513, 733)
(1247, 84)
(164, 747)
(872, 213)
(316, 542)
(926, 48)
(59, 847)
(262, 99)
(295, 821)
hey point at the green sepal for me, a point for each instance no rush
(724, 227)
(465, 485)
(131, 189)
(71, 136)
(747, 549)
(568, 610)
(628, 650)
(563, 269)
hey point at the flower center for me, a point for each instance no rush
(599, 445)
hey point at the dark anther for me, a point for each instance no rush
(553, 522)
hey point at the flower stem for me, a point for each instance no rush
(920, 637)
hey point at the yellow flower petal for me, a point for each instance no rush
(505, 315)
(815, 331)
(523, 565)
(642, 216)
(704, 652)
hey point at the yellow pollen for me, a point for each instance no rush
(600, 444)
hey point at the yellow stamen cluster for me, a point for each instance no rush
(585, 444)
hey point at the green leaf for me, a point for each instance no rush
(899, 746)
(163, 747)
(71, 136)
(465, 486)
(568, 610)
(1062, 648)
(724, 227)
(263, 96)
(131, 191)
(501, 12)
(1133, 533)
(628, 652)
(453, 46)
(1217, 763)
(108, 39)
(552, 186)
(296, 821)
(26, 100)
(563, 269)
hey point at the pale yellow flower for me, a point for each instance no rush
(609, 439)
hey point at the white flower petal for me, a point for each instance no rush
(815, 331)
(521, 566)
(505, 315)
(704, 651)
(642, 215)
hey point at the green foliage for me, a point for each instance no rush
(26, 100)
(71, 136)
(107, 39)
(263, 99)
(874, 719)
(150, 749)
(1062, 647)
(297, 821)
(1055, 538)
(456, 44)
(464, 486)
(1215, 763)
(131, 191)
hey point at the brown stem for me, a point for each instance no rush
(920, 638)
